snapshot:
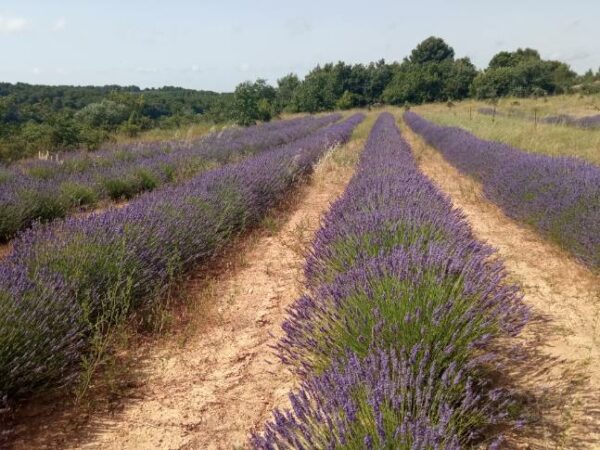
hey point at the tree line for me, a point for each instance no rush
(53, 118)
(431, 73)
(56, 118)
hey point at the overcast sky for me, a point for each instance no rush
(214, 45)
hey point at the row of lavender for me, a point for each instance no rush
(67, 283)
(558, 195)
(45, 190)
(586, 122)
(403, 304)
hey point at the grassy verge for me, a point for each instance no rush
(553, 140)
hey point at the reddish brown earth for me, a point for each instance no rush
(5, 250)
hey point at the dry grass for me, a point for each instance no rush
(5, 250)
(158, 134)
(554, 140)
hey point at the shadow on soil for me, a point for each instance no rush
(550, 391)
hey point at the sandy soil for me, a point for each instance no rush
(211, 384)
(558, 372)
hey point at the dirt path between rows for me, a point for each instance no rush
(209, 387)
(559, 375)
(225, 381)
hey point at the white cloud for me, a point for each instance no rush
(244, 67)
(36, 71)
(60, 24)
(12, 24)
(195, 68)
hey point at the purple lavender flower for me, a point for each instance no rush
(402, 305)
(560, 196)
(66, 282)
(46, 190)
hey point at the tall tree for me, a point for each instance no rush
(286, 89)
(522, 73)
(253, 101)
(430, 74)
(431, 50)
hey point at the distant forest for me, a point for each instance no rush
(56, 118)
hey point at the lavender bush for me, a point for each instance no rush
(403, 303)
(560, 196)
(488, 111)
(383, 402)
(586, 122)
(45, 190)
(65, 283)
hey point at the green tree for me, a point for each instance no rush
(348, 100)
(522, 73)
(430, 74)
(106, 114)
(415, 83)
(286, 89)
(379, 76)
(64, 132)
(253, 101)
(221, 110)
(513, 59)
(458, 78)
(318, 91)
(431, 50)
(324, 86)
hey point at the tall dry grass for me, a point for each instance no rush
(554, 140)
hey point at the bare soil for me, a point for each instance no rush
(5, 250)
(216, 380)
(557, 374)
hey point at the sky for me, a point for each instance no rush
(215, 45)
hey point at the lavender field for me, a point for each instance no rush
(403, 305)
(559, 196)
(324, 225)
(407, 316)
(65, 285)
(43, 190)
(585, 122)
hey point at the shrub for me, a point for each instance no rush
(76, 194)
